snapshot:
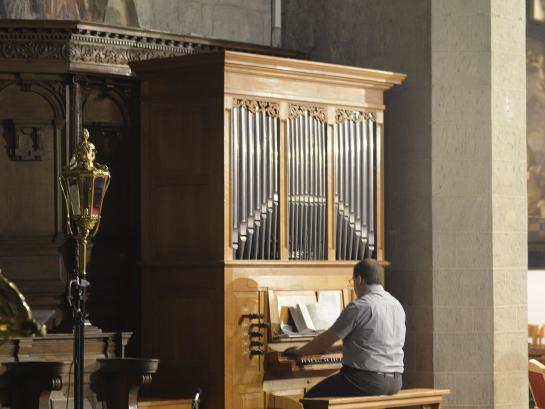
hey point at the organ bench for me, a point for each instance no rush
(423, 398)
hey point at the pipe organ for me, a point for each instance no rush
(262, 184)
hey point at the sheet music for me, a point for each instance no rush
(317, 309)
(286, 330)
(328, 308)
(319, 317)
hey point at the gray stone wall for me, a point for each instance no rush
(455, 179)
(389, 35)
(238, 20)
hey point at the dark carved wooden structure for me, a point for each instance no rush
(36, 371)
(31, 383)
(113, 382)
(55, 78)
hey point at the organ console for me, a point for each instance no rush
(262, 184)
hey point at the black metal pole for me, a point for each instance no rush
(77, 286)
(78, 305)
(80, 340)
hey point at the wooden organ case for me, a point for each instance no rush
(262, 182)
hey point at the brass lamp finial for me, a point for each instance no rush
(84, 184)
(84, 155)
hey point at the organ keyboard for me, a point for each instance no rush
(277, 362)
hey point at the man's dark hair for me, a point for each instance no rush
(370, 270)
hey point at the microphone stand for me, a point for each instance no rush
(76, 299)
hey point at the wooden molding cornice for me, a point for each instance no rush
(50, 46)
(267, 66)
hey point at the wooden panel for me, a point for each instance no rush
(102, 106)
(285, 393)
(179, 209)
(178, 147)
(181, 165)
(31, 127)
(247, 369)
(182, 82)
(111, 114)
(285, 401)
(27, 182)
(182, 325)
(253, 400)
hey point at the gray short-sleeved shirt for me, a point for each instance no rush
(372, 328)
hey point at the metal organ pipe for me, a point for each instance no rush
(243, 184)
(322, 192)
(365, 177)
(235, 177)
(306, 183)
(355, 178)
(358, 198)
(276, 146)
(371, 181)
(255, 182)
(254, 159)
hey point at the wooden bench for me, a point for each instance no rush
(424, 398)
(164, 404)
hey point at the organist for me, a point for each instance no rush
(372, 328)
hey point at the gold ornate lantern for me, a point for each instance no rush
(84, 185)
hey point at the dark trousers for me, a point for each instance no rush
(355, 382)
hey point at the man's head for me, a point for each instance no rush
(367, 272)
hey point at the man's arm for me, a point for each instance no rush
(335, 348)
(319, 344)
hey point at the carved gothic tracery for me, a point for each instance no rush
(342, 115)
(319, 113)
(271, 108)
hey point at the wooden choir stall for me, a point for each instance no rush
(262, 183)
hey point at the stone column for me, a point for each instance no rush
(479, 201)
(455, 182)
